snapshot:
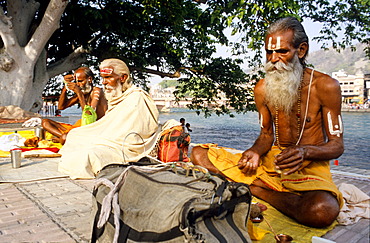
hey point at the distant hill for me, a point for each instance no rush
(332, 61)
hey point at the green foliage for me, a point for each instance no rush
(220, 80)
(169, 35)
(168, 83)
(350, 18)
(53, 87)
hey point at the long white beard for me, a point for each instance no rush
(111, 92)
(87, 88)
(282, 83)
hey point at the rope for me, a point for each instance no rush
(155, 159)
(124, 140)
(111, 199)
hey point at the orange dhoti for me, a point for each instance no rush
(314, 176)
(69, 127)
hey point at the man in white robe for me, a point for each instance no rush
(128, 131)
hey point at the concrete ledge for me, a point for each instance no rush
(350, 174)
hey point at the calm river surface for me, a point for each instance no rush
(241, 131)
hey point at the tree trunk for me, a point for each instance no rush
(23, 71)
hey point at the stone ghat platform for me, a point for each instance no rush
(58, 209)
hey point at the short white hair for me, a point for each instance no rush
(119, 67)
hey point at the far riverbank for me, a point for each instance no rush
(355, 110)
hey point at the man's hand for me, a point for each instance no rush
(69, 78)
(73, 86)
(69, 84)
(248, 163)
(290, 159)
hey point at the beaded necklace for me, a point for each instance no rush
(299, 129)
(298, 119)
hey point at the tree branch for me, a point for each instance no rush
(176, 74)
(48, 25)
(72, 61)
(6, 30)
(22, 13)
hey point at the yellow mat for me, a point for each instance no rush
(28, 134)
(25, 134)
(282, 224)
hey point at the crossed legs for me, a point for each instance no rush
(56, 129)
(312, 208)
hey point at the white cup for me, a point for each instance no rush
(16, 158)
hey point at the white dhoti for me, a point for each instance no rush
(127, 132)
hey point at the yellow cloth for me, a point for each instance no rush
(126, 133)
(282, 224)
(26, 134)
(314, 176)
(4, 154)
(29, 134)
(255, 232)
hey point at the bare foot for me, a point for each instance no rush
(63, 138)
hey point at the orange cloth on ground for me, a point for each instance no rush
(315, 175)
(69, 127)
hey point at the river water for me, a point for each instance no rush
(241, 131)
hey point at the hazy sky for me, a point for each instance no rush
(312, 30)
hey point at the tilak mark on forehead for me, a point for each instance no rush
(271, 46)
(106, 71)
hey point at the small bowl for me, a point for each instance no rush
(284, 238)
(258, 219)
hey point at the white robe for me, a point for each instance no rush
(128, 131)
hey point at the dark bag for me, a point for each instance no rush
(169, 203)
(173, 145)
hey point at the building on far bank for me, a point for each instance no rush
(367, 86)
(354, 88)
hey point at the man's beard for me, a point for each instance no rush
(282, 83)
(86, 89)
(111, 92)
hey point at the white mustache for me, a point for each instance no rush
(108, 88)
(279, 66)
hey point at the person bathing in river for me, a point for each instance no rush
(90, 98)
(301, 130)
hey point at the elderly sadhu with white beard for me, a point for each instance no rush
(128, 131)
(91, 100)
(301, 130)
